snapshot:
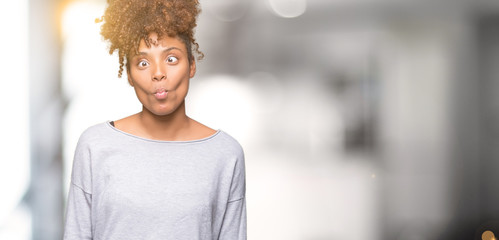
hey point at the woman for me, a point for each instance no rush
(157, 174)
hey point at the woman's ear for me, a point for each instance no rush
(192, 69)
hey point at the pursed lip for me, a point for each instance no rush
(161, 93)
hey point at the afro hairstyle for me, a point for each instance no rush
(126, 22)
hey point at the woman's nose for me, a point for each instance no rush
(159, 73)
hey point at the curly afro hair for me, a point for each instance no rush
(126, 22)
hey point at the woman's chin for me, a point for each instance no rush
(160, 111)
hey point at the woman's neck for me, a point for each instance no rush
(173, 126)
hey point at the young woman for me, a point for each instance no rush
(157, 174)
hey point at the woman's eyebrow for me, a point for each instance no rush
(171, 48)
(164, 51)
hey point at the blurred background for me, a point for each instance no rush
(360, 119)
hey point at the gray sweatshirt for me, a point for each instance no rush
(128, 187)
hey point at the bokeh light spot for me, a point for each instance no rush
(288, 8)
(488, 235)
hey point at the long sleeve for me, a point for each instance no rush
(235, 221)
(78, 224)
(78, 217)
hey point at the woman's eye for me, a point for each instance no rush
(172, 59)
(143, 63)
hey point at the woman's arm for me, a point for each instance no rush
(78, 219)
(78, 223)
(234, 221)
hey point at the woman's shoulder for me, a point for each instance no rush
(223, 141)
(96, 129)
(94, 133)
(229, 141)
(228, 144)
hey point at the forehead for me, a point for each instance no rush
(164, 42)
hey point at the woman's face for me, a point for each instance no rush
(160, 74)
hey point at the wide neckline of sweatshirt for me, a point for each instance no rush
(108, 124)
